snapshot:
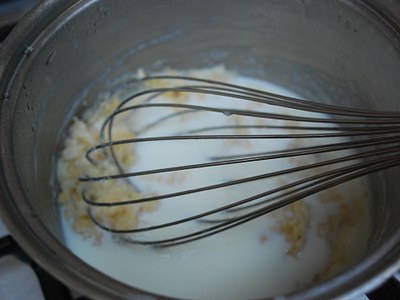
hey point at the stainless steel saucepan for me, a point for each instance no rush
(64, 54)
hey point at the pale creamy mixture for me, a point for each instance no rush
(294, 247)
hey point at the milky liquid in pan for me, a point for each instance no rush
(249, 261)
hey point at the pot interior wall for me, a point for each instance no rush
(335, 51)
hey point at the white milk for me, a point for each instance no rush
(249, 261)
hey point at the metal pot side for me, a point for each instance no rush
(65, 54)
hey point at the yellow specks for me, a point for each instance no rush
(263, 239)
(169, 178)
(334, 231)
(293, 221)
(177, 96)
(83, 135)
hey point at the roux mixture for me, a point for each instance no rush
(294, 247)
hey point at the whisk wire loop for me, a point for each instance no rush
(373, 136)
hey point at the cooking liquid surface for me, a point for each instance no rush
(258, 259)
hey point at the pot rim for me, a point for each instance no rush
(50, 253)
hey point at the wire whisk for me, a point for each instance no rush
(330, 145)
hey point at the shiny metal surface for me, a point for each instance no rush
(65, 54)
(12, 11)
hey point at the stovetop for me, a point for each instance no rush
(17, 280)
(22, 278)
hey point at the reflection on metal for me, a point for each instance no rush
(11, 12)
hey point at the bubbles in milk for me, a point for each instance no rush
(249, 261)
